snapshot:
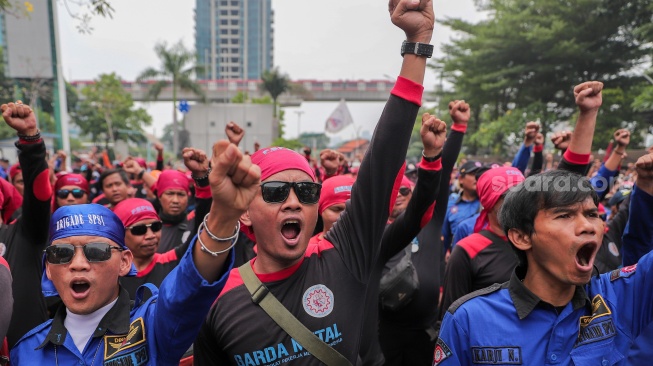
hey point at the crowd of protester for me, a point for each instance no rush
(281, 257)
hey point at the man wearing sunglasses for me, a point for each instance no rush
(70, 189)
(96, 324)
(22, 242)
(323, 287)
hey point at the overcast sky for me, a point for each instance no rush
(335, 39)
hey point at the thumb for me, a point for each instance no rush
(225, 157)
(585, 93)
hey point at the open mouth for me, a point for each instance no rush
(80, 287)
(585, 254)
(291, 229)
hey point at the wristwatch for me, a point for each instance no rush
(417, 48)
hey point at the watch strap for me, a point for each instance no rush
(417, 48)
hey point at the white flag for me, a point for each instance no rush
(339, 119)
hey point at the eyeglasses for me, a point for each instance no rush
(142, 229)
(64, 253)
(277, 192)
(77, 193)
(404, 191)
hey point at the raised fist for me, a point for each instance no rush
(415, 18)
(644, 169)
(19, 117)
(433, 133)
(234, 180)
(329, 160)
(459, 112)
(561, 139)
(622, 137)
(234, 133)
(530, 132)
(539, 139)
(131, 166)
(158, 147)
(196, 161)
(588, 96)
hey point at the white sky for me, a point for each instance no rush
(335, 39)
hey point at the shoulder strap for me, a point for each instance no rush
(263, 298)
(491, 236)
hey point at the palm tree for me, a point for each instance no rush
(177, 69)
(275, 83)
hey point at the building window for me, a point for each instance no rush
(234, 59)
(224, 12)
(224, 41)
(234, 50)
(234, 31)
(234, 41)
(224, 21)
(234, 22)
(234, 3)
(234, 69)
(224, 31)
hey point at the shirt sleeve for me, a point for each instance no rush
(521, 159)
(451, 346)
(638, 234)
(601, 181)
(184, 289)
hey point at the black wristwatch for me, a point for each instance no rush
(416, 48)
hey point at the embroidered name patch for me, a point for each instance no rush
(598, 326)
(318, 301)
(118, 343)
(496, 355)
(442, 352)
(136, 357)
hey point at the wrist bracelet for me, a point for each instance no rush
(205, 176)
(206, 227)
(35, 137)
(207, 250)
(430, 159)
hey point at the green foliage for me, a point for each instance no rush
(315, 140)
(527, 56)
(242, 97)
(275, 83)
(291, 144)
(107, 109)
(178, 69)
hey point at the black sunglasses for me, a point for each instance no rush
(142, 229)
(77, 193)
(277, 192)
(404, 191)
(64, 253)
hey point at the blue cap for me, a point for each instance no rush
(619, 196)
(80, 220)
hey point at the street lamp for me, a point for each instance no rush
(299, 119)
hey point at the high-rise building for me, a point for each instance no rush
(234, 38)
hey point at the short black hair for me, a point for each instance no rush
(555, 188)
(106, 173)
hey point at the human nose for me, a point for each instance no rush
(79, 261)
(586, 225)
(292, 202)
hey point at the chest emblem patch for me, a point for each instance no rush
(318, 301)
(118, 343)
(598, 326)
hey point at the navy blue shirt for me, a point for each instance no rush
(457, 211)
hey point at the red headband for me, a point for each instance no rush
(490, 186)
(14, 170)
(172, 179)
(335, 190)
(71, 180)
(133, 210)
(273, 160)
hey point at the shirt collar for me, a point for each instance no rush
(525, 301)
(116, 321)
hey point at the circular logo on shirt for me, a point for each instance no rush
(612, 247)
(454, 210)
(3, 249)
(318, 301)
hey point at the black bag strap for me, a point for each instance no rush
(492, 236)
(263, 298)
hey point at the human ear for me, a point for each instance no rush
(519, 239)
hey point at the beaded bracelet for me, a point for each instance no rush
(207, 250)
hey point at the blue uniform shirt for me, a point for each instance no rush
(508, 324)
(157, 332)
(457, 211)
(464, 229)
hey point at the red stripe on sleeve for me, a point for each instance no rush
(575, 158)
(431, 165)
(42, 188)
(409, 90)
(459, 127)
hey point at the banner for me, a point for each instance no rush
(339, 118)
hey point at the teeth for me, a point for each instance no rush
(291, 222)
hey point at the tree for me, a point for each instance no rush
(177, 70)
(107, 111)
(275, 83)
(527, 56)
